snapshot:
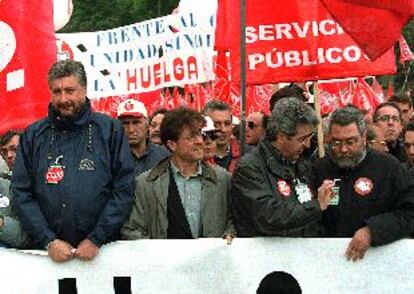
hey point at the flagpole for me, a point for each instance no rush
(242, 137)
(321, 148)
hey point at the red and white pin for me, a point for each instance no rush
(284, 188)
(363, 186)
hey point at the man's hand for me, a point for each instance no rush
(325, 194)
(86, 250)
(359, 244)
(60, 251)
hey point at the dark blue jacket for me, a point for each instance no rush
(152, 156)
(96, 193)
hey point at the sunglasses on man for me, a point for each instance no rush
(211, 135)
(251, 125)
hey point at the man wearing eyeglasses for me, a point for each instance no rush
(181, 197)
(375, 203)
(271, 188)
(387, 116)
(255, 127)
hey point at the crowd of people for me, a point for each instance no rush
(78, 179)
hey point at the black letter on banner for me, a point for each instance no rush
(122, 285)
(67, 286)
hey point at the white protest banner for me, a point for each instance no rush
(172, 50)
(211, 266)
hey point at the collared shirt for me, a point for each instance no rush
(152, 155)
(225, 160)
(189, 189)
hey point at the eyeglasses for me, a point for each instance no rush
(193, 136)
(408, 145)
(210, 135)
(387, 118)
(251, 125)
(350, 142)
(383, 143)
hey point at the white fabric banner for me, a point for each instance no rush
(210, 266)
(173, 50)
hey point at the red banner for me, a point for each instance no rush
(293, 41)
(27, 50)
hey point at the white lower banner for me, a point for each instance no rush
(211, 266)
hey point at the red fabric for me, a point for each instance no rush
(364, 96)
(334, 95)
(374, 24)
(32, 25)
(379, 91)
(405, 51)
(302, 36)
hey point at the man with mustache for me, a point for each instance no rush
(73, 176)
(270, 191)
(182, 197)
(134, 118)
(375, 203)
(388, 117)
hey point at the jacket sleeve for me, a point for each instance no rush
(398, 221)
(136, 226)
(257, 208)
(119, 204)
(12, 233)
(24, 199)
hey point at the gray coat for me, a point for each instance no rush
(12, 233)
(148, 218)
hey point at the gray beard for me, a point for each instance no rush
(349, 162)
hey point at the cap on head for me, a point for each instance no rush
(209, 124)
(132, 107)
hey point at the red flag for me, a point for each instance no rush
(27, 50)
(374, 24)
(335, 94)
(300, 42)
(365, 97)
(405, 51)
(379, 91)
(222, 82)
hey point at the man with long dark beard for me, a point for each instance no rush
(375, 203)
(73, 176)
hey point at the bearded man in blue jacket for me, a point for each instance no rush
(73, 176)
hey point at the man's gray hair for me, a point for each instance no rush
(287, 114)
(67, 68)
(346, 116)
(213, 105)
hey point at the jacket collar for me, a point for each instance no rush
(82, 119)
(276, 163)
(163, 166)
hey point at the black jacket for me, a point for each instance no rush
(96, 193)
(258, 205)
(378, 193)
